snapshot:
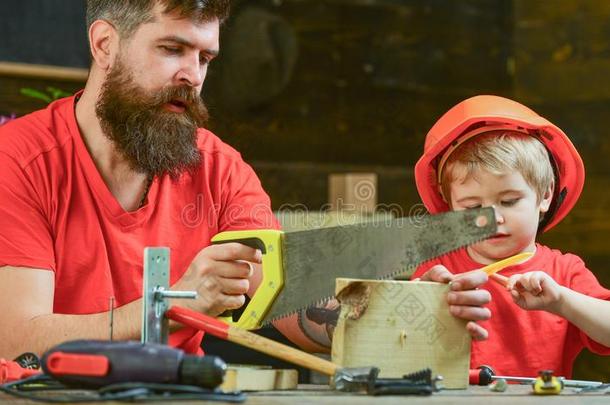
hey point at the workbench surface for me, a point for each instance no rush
(316, 394)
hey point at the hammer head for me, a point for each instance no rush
(355, 379)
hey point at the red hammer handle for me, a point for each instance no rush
(251, 340)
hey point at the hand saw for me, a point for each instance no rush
(300, 268)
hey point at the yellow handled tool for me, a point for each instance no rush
(269, 242)
(500, 264)
(492, 269)
(547, 384)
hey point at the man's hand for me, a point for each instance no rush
(319, 322)
(221, 276)
(465, 300)
(535, 290)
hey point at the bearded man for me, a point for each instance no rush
(90, 181)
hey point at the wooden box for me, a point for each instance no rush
(400, 327)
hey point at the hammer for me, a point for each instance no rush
(344, 379)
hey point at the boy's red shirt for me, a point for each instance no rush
(521, 342)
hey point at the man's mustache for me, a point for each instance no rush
(185, 95)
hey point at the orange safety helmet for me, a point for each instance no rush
(499, 112)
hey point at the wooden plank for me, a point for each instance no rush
(252, 378)
(321, 395)
(400, 327)
(302, 220)
(43, 71)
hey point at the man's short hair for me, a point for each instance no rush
(128, 15)
(500, 152)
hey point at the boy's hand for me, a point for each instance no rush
(465, 299)
(535, 290)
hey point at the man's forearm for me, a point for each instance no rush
(292, 329)
(295, 327)
(45, 331)
(591, 315)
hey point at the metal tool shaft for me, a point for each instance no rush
(163, 293)
(566, 382)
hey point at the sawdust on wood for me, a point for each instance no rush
(355, 298)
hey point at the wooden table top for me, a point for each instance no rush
(317, 394)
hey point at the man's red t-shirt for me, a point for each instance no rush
(57, 214)
(522, 343)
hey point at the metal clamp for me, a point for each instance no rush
(155, 327)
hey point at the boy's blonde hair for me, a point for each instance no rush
(500, 152)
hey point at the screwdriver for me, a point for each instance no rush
(494, 268)
(485, 375)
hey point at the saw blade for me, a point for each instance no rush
(313, 259)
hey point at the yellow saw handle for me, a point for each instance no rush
(269, 242)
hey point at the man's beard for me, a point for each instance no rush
(154, 140)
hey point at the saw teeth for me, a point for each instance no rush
(277, 318)
(270, 321)
(385, 277)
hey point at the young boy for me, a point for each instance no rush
(491, 151)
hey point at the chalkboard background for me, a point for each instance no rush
(47, 32)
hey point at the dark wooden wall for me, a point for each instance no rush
(304, 88)
(561, 63)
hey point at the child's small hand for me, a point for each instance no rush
(465, 299)
(534, 290)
